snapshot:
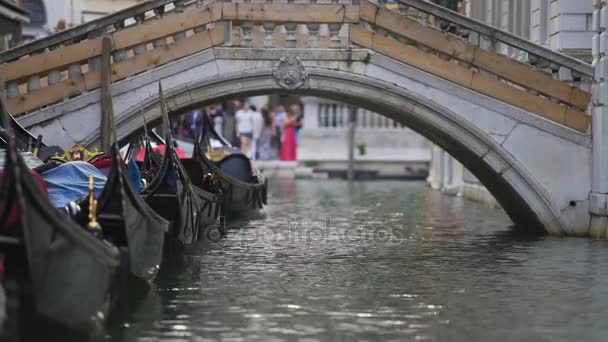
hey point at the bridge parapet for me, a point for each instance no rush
(290, 25)
(420, 34)
(143, 38)
(491, 38)
(146, 37)
(464, 51)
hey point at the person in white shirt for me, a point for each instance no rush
(258, 125)
(244, 126)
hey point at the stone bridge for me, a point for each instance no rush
(512, 122)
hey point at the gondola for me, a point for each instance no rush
(172, 194)
(26, 141)
(208, 189)
(23, 138)
(244, 188)
(206, 186)
(60, 273)
(150, 165)
(128, 222)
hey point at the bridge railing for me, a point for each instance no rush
(335, 115)
(420, 38)
(141, 39)
(144, 37)
(160, 31)
(489, 36)
(81, 32)
(306, 24)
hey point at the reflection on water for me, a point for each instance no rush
(383, 261)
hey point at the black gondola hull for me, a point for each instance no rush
(68, 270)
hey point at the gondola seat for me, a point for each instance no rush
(237, 166)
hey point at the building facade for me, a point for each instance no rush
(561, 25)
(50, 16)
(12, 19)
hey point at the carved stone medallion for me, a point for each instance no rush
(290, 73)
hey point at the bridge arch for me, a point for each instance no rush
(515, 188)
(522, 132)
(513, 152)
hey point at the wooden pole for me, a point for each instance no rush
(2, 86)
(107, 112)
(352, 115)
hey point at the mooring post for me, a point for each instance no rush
(352, 115)
(107, 114)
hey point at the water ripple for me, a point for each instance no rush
(378, 261)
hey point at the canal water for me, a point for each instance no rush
(377, 261)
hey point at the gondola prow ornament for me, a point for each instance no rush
(93, 225)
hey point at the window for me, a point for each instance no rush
(525, 19)
(37, 12)
(544, 23)
(5, 40)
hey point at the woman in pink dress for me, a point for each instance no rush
(288, 146)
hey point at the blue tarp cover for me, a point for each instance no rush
(134, 175)
(70, 182)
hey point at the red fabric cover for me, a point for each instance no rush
(103, 164)
(14, 216)
(139, 156)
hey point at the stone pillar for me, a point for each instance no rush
(311, 113)
(458, 178)
(435, 179)
(453, 173)
(599, 181)
(446, 171)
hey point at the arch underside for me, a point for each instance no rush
(423, 118)
(524, 198)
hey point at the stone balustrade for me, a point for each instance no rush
(47, 73)
(146, 39)
(495, 40)
(463, 53)
(302, 24)
(418, 34)
(335, 115)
